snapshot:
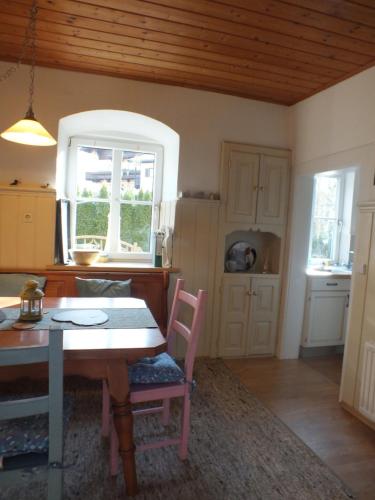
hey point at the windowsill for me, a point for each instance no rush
(113, 266)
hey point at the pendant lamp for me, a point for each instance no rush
(28, 130)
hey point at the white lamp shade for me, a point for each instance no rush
(29, 132)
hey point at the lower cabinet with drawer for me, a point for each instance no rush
(249, 313)
(326, 310)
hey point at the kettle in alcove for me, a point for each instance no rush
(241, 257)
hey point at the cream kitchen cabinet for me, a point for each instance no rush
(326, 309)
(249, 312)
(255, 184)
(27, 227)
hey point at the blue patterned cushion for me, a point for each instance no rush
(24, 435)
(27, 434)
(157, 370)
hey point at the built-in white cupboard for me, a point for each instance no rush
(254, 185)
(254, 202)
(326, 312)
(357, 391)
(249, 311)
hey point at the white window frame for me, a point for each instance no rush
(313, 261)
(115, 201)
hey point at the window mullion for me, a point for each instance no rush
(113, 238)
(72, 191)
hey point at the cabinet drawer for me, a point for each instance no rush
(329, 284)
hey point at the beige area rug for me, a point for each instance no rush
(238, 450)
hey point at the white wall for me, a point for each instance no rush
(202, 119)
(332, 130)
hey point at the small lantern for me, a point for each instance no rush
(31, 308)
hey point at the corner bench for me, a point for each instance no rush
(151, 285)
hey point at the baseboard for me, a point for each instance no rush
(315, 352)
(358, 415)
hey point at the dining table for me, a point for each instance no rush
(97, 353)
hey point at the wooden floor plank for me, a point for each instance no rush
(304, 395)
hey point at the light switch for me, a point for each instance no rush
(27, 218)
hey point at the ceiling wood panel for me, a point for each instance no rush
(271, 50)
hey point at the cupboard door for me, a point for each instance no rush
(263, 316)
(234, 315)
(243, 173)
(326, 314)
(273, 190)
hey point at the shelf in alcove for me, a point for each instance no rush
(267, 246)
(253, 275)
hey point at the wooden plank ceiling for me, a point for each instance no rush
(271, 50)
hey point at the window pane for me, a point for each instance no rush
(94, 172)
(326, 202)
(137, 175)
(135, 229)
(323, 237)
(92, 222)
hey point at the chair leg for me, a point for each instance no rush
(106, 410)
(55, 484)
(183, 449)
(166, 411)
(113, 451)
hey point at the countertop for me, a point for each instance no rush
(335, 273)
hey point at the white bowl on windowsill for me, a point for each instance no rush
(84, 257)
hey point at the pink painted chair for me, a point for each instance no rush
(181, 388)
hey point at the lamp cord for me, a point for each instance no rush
(29, 42)
(32, 34)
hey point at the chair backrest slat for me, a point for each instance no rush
(24, 407)
(191, 334)
(188, 298)
(182, 329)
(23, 355)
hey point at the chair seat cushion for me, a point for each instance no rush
(28, 434)
(156, 370)
(24, 435)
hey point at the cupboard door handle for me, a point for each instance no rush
(251, 293)
(347, 301)
(331, 284)
(255, 188)
(261, 188)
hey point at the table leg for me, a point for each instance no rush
(117, 373)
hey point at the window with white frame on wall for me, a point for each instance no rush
(331, 218)
(115, 191)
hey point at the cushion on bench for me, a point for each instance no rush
(156, 370)
(11, 284)
(103, 288)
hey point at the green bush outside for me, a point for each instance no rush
(135, 226)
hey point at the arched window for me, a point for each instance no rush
(111, 170)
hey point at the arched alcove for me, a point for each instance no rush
(125, 125)
(267, 247)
